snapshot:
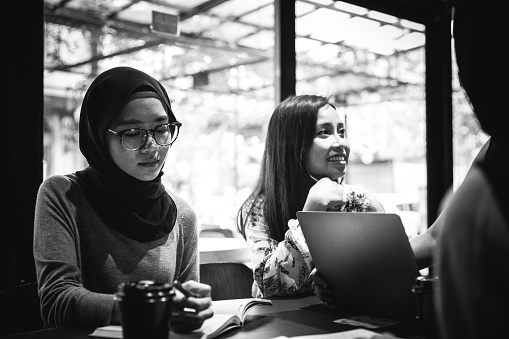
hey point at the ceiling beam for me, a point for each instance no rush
(206, 6)
(73, 18)
(421, 11)
(59, 14)
(220, 68)
(333, 8)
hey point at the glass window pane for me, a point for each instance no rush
(218, 74)
(372, 67)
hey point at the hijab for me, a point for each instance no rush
(140, 210)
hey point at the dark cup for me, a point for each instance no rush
(423, 288)
(145, 309)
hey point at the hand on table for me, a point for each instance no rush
(189, 313)
(320, 287)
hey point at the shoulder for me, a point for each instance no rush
(473, 206)
(184, 210)
(58, 179)
(253, 205)
(62, 193)
(474, 191)
(59, 183)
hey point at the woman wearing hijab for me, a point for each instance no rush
(114, 221)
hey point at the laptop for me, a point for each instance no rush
(366, 260)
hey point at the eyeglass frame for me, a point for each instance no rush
(148, 132)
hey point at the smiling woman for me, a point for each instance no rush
(303, 166)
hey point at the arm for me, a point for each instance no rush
(423, 245)
(189, 263)
(58, 261)
(188, 274)
(279, 268)
(328, 195)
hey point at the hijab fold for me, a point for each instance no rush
(140, 210)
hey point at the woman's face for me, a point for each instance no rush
(145, 163)
(328, 155)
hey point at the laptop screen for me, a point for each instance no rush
(366, 259)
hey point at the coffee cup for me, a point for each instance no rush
(423, 288)
(145, 309)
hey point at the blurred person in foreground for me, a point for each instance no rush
(303, 168)
(114, 221)
(472, 257)
(469, 241)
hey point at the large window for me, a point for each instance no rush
(372, 65)
(219, 74)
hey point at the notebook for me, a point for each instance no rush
(366, 260)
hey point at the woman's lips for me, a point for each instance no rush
(337, 158)
(152, 163)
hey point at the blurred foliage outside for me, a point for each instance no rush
(216, 159)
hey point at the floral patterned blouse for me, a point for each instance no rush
(283, 268)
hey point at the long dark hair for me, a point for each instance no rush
(284, 179)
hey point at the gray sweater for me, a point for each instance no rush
(80, 260)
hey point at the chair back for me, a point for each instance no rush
(228, 280)
(20, 309)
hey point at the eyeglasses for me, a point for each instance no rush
(135, 138)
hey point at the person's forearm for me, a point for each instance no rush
(423, 247)
(284, 271)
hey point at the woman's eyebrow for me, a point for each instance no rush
(162, 118)
(320, 124)
(137, 121)
(128, 122)
(327, 123)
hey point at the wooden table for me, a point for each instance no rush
(289, 317)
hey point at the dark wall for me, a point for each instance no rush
(23, 86)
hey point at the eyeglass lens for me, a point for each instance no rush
(136, 138)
